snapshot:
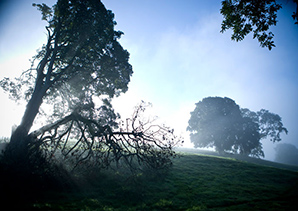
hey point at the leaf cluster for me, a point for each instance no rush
(295, 14)
(82, 59)
(245, 16)
(270, 124)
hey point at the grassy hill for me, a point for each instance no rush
(239, 158)
(195, 182)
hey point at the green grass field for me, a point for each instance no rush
(195, 182)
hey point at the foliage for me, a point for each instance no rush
(81, 60)
(245, 16)
(3, 144)
(270, 124)
(286, 153)
(220, 123)
(295, 14)
(81, 64)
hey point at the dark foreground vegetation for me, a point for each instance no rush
(195, 182)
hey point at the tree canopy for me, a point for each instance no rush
(81, 61)
(256, 16)
(220, 123)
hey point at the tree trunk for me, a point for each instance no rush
(19, 139)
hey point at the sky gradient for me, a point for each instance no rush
(178, 56)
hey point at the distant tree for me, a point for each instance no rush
(256, 16)
(81, 61)
(286, 153)
(220, 123)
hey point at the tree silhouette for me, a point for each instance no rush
(270, 124)
(256, 16)
(81, 61)
(220, 123)
(286, 153)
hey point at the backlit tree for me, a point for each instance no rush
(220, 123)
(82, 61)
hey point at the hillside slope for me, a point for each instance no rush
(258, 161)
(195, 182)
(220, 184)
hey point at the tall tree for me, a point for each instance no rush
(220, 123)
(256, 16)
(81, 60)
(212, 121)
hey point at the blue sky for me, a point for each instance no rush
(179, 57)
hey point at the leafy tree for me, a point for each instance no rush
(270, 125)
(81, 60)
(220, 123)
(286, 153)
(256, 16)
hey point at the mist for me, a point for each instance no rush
(286, 153)
(179, 57)
(187, 63)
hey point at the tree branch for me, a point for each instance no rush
(99, 145)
